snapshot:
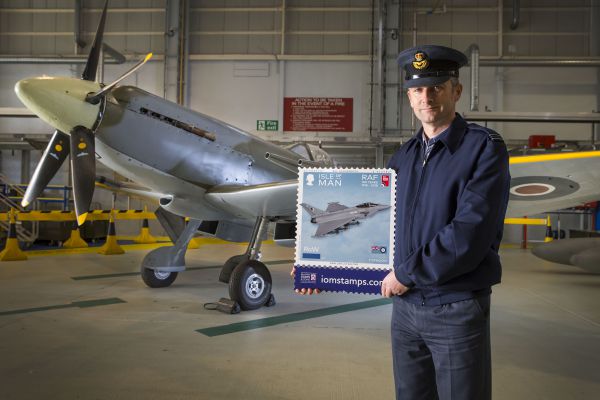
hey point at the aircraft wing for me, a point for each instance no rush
(330, 226)
(277, 199)
(550, 182)
(128, 188)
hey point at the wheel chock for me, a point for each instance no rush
(111, 246)
(271, 301)
(12, 251)
(75, 241)
(227, 306)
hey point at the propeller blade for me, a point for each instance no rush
(89, 73)
(53, 157)
(95, 97)
(83, 166)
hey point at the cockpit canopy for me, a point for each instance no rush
(366, 205)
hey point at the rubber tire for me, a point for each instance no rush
(152, 281)
(238, 280)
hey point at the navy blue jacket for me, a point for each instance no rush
(450, 214)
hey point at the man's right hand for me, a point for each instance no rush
(303, 291)
(392, 287)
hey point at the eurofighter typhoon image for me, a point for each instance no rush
(338, 217)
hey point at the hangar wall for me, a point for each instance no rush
(245, 56)
(332, 37)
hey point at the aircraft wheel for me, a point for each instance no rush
(157, 279)
(250, 284)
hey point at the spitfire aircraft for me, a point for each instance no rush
(338, 217)
(549, 182)
(229, 183)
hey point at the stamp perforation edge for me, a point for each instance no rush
(392, 226)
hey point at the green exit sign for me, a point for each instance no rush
(267, 125)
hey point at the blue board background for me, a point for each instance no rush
(350, 280)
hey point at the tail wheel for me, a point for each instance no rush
(250, 284)
(157, 279)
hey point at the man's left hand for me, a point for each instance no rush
(391, 287)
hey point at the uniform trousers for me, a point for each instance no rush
(442, 352)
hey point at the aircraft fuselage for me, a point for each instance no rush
(180, 152)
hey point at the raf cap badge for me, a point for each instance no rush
(420, 61)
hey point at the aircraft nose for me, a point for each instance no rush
(26, 90)
(59, 101)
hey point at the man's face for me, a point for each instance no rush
(435, 105)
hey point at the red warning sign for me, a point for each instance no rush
(317, 114)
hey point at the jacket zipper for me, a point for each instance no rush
(412, 216)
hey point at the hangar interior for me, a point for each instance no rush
(534, 69)
(238, 61)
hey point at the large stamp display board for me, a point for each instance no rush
(345, 229)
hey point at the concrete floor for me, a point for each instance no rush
(546, 334)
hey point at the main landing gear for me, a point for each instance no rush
(249, 279)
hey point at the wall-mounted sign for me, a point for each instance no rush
(317, 114)
(267, 125)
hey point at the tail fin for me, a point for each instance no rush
(313, 211)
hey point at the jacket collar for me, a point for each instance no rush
(452, 136)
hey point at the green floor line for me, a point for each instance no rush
(285, 319)
(123, 274)
(74, 304)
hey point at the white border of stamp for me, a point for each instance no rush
(349, 264)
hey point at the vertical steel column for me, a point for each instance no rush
(78, 26)
(399, 47)
(474, 64)
(283, 12)
(595, 52)
(171, 50)
(281, 68)
(381, 65)
(182, 53)
(500, 28)
(25, 165)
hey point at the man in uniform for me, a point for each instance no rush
(451, 198)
